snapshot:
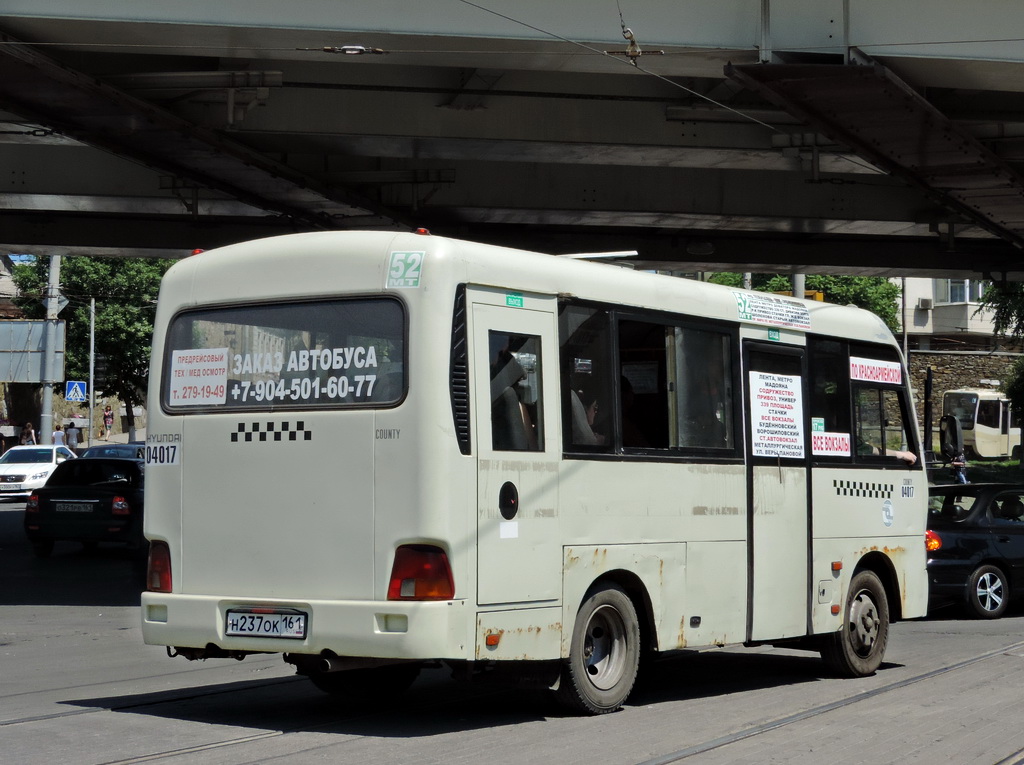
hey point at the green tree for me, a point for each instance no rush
(1006, 302)
(873, 293)
(125, 290)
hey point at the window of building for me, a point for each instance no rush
(960, 290)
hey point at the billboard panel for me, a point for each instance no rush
(21, 351)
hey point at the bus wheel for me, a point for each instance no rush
(367, 685)
(987, 593)
(856, 650)
(604, 654)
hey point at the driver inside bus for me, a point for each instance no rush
(866, 448)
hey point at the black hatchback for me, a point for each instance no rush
(975, 543)
(89, 500)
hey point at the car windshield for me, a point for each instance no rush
(951, 506)
(22, 456)
(91, 472)
(126, 451)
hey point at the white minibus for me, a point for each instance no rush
(375, 451)
(990, 426)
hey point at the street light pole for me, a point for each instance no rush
(50, 351)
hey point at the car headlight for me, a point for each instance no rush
(37, 476)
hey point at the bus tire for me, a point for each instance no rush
(988, 593)
(856, 650)
(604, 654)
(369, 685)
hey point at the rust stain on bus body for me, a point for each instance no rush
(893, 553)
(532, 631)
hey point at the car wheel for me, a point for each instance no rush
(856, 650)
(42, 548)
(988, 593)
(604, 654)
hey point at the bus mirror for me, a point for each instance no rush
(951, 437)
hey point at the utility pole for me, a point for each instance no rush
(50, 350)
(92, 365)
(798, 280)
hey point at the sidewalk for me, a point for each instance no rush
(116, 438)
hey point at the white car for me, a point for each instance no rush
(25, 468)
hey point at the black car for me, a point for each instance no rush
(89, 500)
(975, 543)
(133, 450)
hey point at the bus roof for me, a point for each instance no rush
(339, 262)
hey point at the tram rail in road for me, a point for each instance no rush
(79, 686)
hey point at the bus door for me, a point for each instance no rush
(517, 449)
(1005, 443)
(777, 473)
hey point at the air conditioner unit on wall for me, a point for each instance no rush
(925, 304)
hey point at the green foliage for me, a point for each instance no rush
(873, 293)
(1006, 302)
(125, 290)
(1013, 384)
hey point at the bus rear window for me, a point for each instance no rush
(309, 355)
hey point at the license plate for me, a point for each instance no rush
(10, 487)
(72, 507)
(266, 622)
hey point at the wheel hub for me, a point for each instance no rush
(864, 623)
(990, 592)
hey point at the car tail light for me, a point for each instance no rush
(421, 572)
(932, 541)
(32, 504)
(158, 572)
(121, 506)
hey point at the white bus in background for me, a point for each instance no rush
(374, 452)
(990, 426)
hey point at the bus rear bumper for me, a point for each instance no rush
(372, 629)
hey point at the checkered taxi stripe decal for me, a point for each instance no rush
(272, 431)
(863, 489)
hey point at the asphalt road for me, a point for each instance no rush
(78, 686)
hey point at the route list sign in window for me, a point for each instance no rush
(776, 411)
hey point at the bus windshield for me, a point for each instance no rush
(962, 406)
(302, 355)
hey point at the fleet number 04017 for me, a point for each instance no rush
(168, 454)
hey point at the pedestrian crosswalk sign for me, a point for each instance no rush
(74, 390)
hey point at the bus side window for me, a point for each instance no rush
(516, 423)
(587, 405)
(880, 430)
(703, 389)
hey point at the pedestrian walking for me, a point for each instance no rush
(71, 436)
(28, 435)
(108, 422)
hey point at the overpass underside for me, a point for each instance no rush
(828, 137)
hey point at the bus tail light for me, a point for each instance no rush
(421, 572)
(121, 506)
(158, 572)
(932, 541)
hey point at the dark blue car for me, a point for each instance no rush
(975, 543)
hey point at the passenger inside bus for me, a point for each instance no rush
(585, 408)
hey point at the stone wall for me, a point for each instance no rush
(952, 370)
